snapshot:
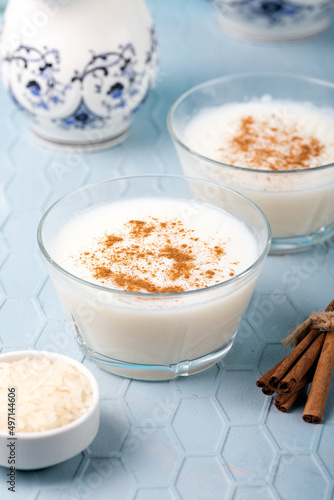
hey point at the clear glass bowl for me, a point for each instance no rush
(153, 336)
(298, 203)
(274, 21)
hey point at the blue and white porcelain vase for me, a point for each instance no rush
(78, 68)
(274, 20)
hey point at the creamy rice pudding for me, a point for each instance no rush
(273, 152)
(154, 272)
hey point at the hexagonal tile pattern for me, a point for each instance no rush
(153, 165)
(20, 231)
(304, 471)
(271, 355)
(25, 154)
(254, 493)
(33, 190)
(275, 283)
(305, 274)
(291, 434)
(326, 448)
(192, 415)
(8, 134)
(22, 275)
(265, 315)
(27, 478)
(154, 493)
(153, 456)
(213, 435)
(203, 477)
(329, 260)
(66, 470)
(103, 479)
(59, 493)
(114, 427)
(18, 120)
(3, 249)
(2, 296)
(23, 322)
(4, 206)
(159, 408)
(105, 163)
(237, 389)
(54, 494)
(49, 301)
(246, 349)
(248, 454)
(201, 384)
(65, 172)
(245, 332)
(111, 386)
(57, 337)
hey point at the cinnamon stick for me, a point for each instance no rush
(263, 381)
(311, 359)
(316, 401)
(283, 402)
(267, 391)
(291, 359)
(302, 365)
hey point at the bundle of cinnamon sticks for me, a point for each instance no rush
(311, 361)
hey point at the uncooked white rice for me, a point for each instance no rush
(49, 394)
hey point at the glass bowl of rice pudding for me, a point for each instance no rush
(271, 138)
(154, 272)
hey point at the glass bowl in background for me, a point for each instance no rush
(298, 203)
(153, 335)
(275, 20)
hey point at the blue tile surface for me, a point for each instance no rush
(214, 435)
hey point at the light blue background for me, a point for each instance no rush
(214, 435)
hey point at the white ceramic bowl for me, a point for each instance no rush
(275, 20)
(37, 450)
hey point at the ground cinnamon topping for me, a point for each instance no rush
(140, 228)
(111, 240)
(274, 147)
(102, 272)
(156, 256)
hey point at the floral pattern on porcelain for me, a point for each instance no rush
(36, 71)
(275, 11)
(112, 76)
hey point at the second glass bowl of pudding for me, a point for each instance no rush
(154, 272)
(270, 137)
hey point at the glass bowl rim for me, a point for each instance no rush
(222, 79)
(146, 295)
